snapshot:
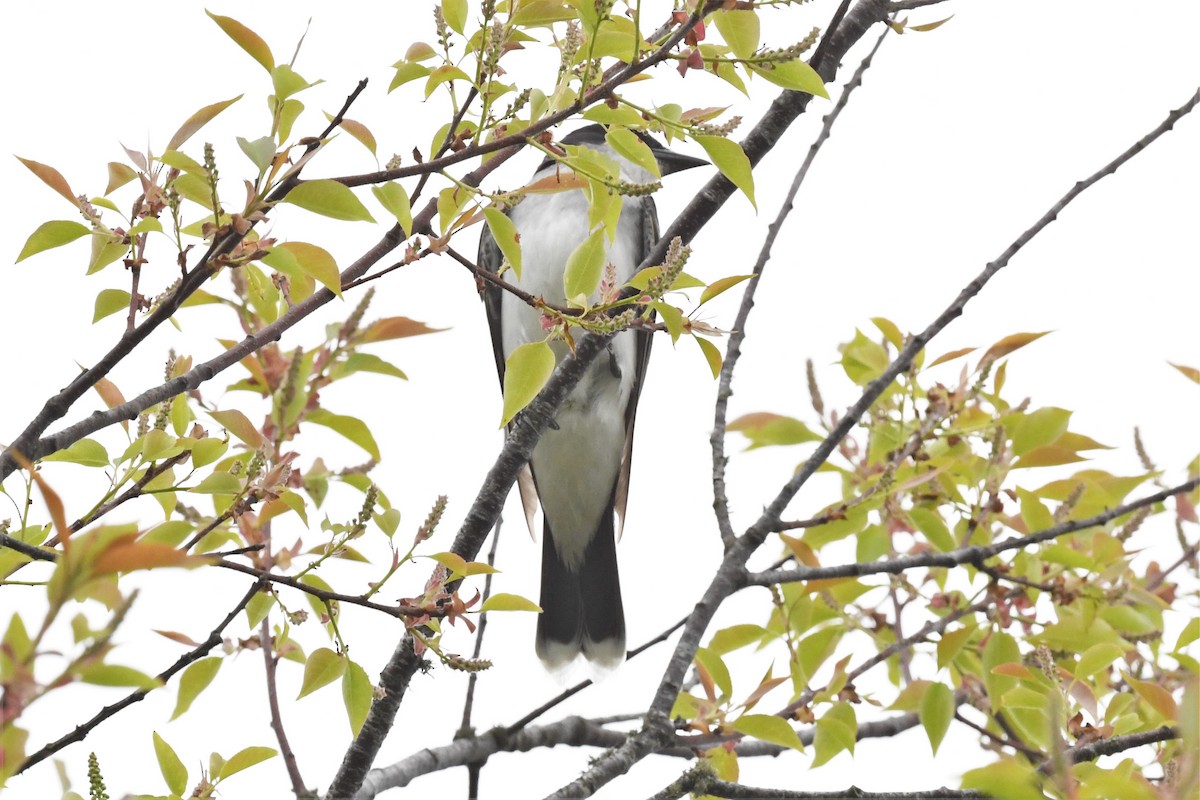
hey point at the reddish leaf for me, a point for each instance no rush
(52, 178)
(395, 328)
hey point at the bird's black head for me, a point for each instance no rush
(668, 160)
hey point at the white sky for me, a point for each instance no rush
(959, 140)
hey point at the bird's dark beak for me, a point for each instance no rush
(669, 161)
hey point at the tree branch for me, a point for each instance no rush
(733, 350)
(193, 655)
(730, 576)
(963, 555)
(285, 748)
(29, 445)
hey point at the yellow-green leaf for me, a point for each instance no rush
(246, 39)
(937, 710)
(769, 728)
(357, 694)
(455, 12)
(729, 157)
(394, 198)
(407, 71)
(172, 769)
(87, 452)
(197, 121)
(505, 234)
(322, 668)
(118, 675)
(244, 759)
(52, 234)
(444, 73)
(118, 175)
(795, 75)
(240, 426)
(526, 371)
(836, 731)
(195, 679)
(721, 285)
(316, 262)
(764, 428)
(330, 199)
(585, 265)
(358, 130)
(631, 146)
(352, 428)
(740, 30)
(502, 601)
(711, 354)
(1007, 779)
(934, 528)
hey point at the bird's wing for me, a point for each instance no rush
(648, 239)
(491, 259)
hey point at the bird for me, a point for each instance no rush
(579, 470)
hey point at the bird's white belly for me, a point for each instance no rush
(575, 463)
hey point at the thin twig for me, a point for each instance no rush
(267, 645)
(195, 654)
(962, 555)
(474, 768)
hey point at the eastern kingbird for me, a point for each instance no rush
(580, 467)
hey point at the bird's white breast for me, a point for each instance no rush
(576, 463)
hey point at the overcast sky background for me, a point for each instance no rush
(959, 140)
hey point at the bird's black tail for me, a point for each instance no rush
(581, 608)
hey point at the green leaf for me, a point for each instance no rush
(261, 152)
(1007, 779)
(1037, 428)
(451, 201)
(631, 146)
(740, 30)
(206, 451)
(52, 234)
(246, 39)
(330, 199)
(240, 426)
(195, 679)
(836, 731)
(934, 527)
(769, 728)
(502, 601)
(118, 175)
(394, 199)
(258, 608)
(937, 710)
(729, 157)
(504, 232)
(197, 121)
(455, 12)
(715, 666)
(526, 371)
(672, 317)
(443, 74)
(584, 267)
(172, 769)
(711, 354)
(357, 694)
(407, 71)
(1096, 658)
(117, 675)
(735, 637)
(795, 75)
(314, 261)
(87, 452)
(863, 360)
(243, 759)
(765, 429)
(322, 668)
(352, 428)
(721, 285)
(288, 82)
(364, 362)
(951, 643)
